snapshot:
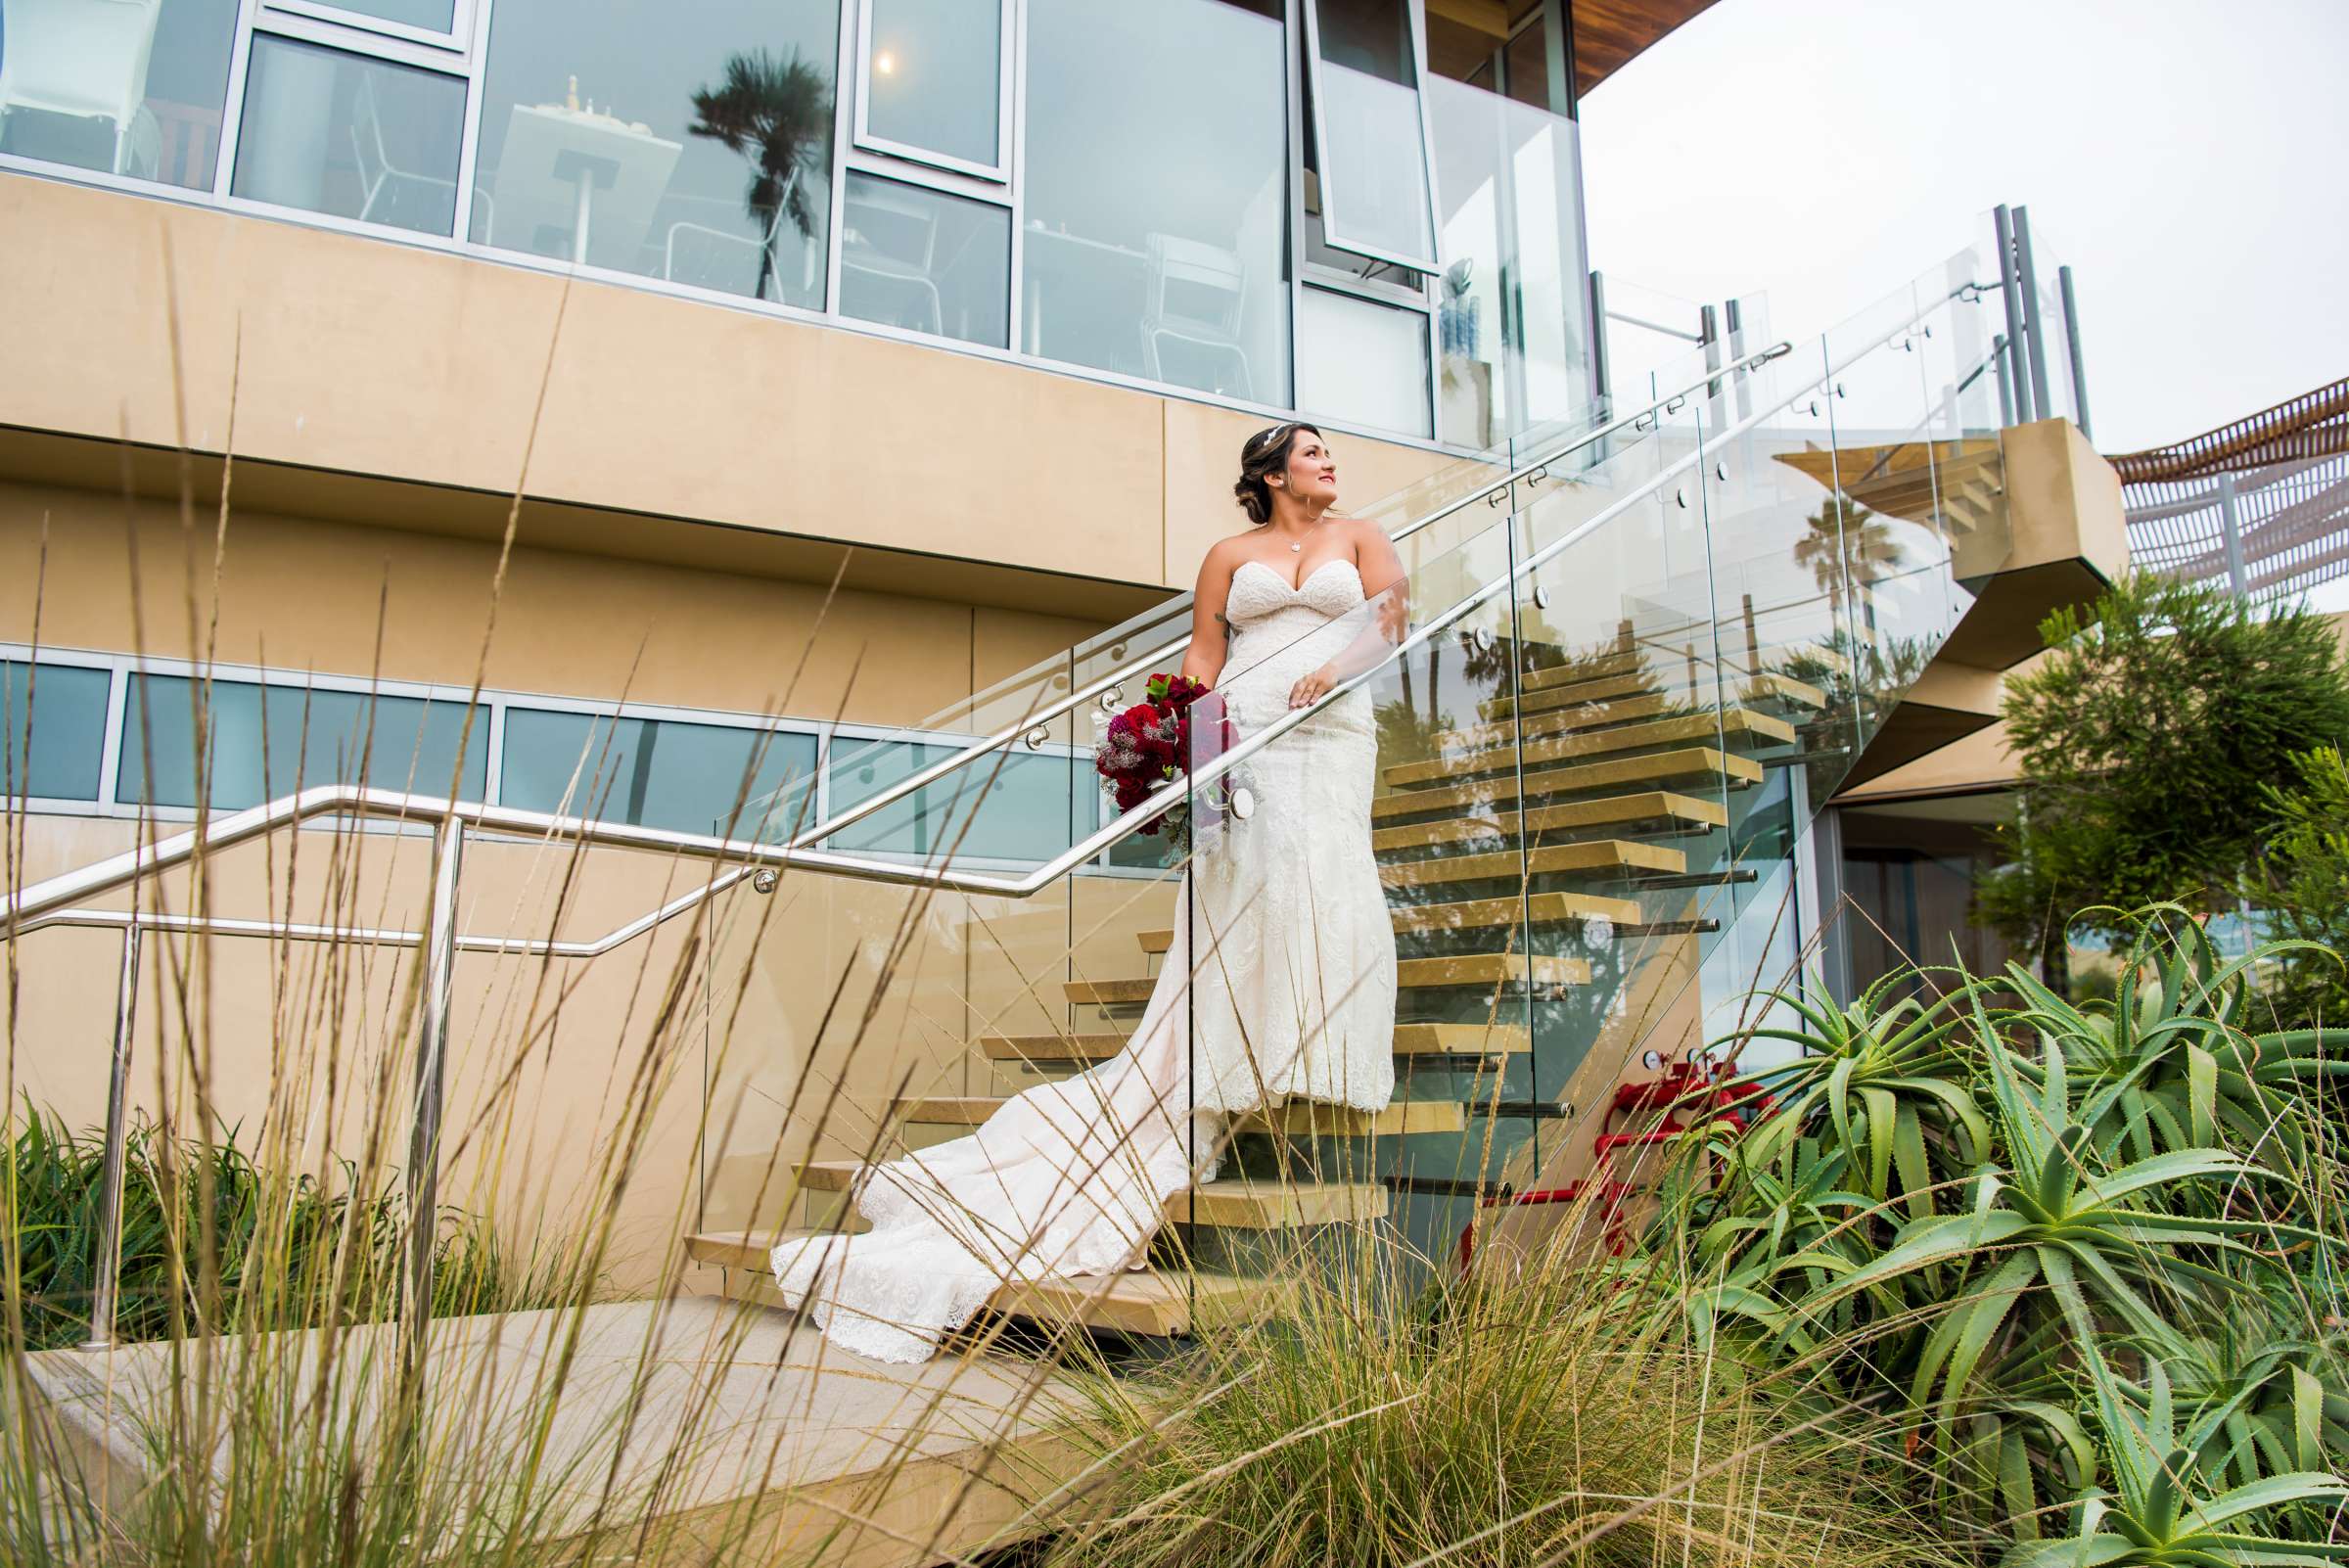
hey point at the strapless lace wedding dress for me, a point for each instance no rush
(1279, 983)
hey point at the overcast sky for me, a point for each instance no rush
(2189, 157)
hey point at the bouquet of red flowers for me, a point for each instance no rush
(1152, 742)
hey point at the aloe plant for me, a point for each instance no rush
(2019, 1220)
(2160, 1513)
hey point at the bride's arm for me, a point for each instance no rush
(1205, 659)
(1383, 625)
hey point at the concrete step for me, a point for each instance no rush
(1582, 671)
(1232, 1204)
(1136, 1302)
(1688, 729)
(1595, 704)
(1411, 974)
(1474, 914)
(1465, 1041)
(1602, 858)
(1648, 805)
(1708, 764)
(1296, 1117)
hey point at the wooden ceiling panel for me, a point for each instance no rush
(1609, 33)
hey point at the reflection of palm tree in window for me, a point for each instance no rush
(1848, 550)
(778, 114)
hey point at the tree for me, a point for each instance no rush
(778, 114)
(2302, 882)
(2144, 740)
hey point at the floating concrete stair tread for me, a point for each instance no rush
(1603, 855)
(1410, 1039)
(1648, 805)
(1235, 1203)
(1569, 717)
(1459, 969)
(1692, 727)
(1637, 684)
(1134, 1301)
(1477, 914)
(1707, 762)
(1295, 1116)
(1271, 1205)
(1577, 671)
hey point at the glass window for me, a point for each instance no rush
(1368, 147)
(1362, 362)
(349, 136)
(268, 740)
(1153, 244)
(1511, 306)
(52, 731)
(689, 142)
(1028, 811)
(923, 260)
(933, 77)
(126, 86)
(659, 773)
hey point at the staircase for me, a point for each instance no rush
(1582, 778)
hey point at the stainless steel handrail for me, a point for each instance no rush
(1632, 419)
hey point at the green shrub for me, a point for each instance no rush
(2303, 885)
(2144, 740)
(2052, 1235)
(275, 1247)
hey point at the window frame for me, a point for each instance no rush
(458, 57)
(1431, 265)
(836, 741)
(1009, 37)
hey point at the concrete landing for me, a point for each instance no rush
(695, 1430)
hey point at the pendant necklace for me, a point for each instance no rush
(1297, 549)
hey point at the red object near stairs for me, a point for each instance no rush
(1682, 1087)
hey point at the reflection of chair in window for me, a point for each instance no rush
(1194, 295)
(893, 237)
(709, 241)
(380, 179)
(84, 57)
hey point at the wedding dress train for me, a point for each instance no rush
(1279, 983)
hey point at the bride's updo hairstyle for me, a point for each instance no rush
(1262, 455)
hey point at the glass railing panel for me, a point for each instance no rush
(1955, 345)
(1423, 748)
(2050, 320)
(1782, 592)
(1880, 468)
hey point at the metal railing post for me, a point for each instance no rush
(2012, 292)
(1734, 318)
(1598, 337)
(2071, 343)
(2230, 523)
(1708, 338)
(118, 1133)
(432, 1064)
(2005, 378)
(2027, 278)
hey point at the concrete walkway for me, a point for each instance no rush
(691, 1431)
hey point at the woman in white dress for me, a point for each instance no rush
(1280, 982)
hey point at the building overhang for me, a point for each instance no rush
(2063, 541)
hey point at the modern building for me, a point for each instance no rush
(710, 421)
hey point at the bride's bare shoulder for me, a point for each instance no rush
(1225, 554)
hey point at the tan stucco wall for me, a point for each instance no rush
(355, 356)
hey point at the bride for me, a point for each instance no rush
(1279, 981)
